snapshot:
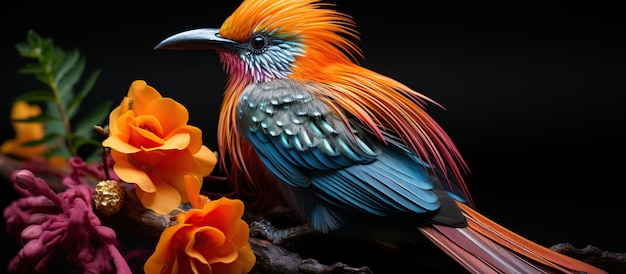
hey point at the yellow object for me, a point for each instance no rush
(24, 132)
(109, 197)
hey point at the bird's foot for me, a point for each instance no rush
(276, 235)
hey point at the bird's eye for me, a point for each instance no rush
(259, 43)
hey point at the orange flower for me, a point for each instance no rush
(213, 239)
(24, 132)
(154, 148)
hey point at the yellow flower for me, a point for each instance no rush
(154, 148)
(213, 239)
(24, 132)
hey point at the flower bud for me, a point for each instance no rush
(24, 178)
(109, 197)
(31, 232)
(33, 250)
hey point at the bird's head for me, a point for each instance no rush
(264, 40)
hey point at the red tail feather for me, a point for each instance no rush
(486, 247)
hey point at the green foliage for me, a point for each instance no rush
(60, 71)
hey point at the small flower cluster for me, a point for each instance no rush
(48, 222)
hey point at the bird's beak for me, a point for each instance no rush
(197, 39)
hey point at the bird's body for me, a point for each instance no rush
(352, 151)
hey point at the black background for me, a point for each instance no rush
(534, 94)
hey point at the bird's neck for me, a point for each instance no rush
(242, 70)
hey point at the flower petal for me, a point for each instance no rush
(122, 123)
(150, 123)
(240, 233)
(175, 166)
(162, 201)
(207, 160)
(243, 264)
(178, 141)
(145, 160)
(164, 251)
(144, 138)
(113, 119)
(193, 185)
(125, 106)
(116, 143)
(207, 244)
(195, 137)
(222, 213)
(199, 268)
(246, 258)
(170, 113)
(141, 95)
(130, 174)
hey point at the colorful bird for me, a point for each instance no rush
(351, 150)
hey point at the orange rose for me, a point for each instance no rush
(213, 239)
(24, 132)
(154, 148)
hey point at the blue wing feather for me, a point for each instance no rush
(277, 162)
(344, 167)
(337, 190)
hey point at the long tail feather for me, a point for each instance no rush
(524, 246)
(486, 247)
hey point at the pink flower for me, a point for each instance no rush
(47, 222)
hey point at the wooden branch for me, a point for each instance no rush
(276, 259)
(135, 219)
(7, 166)
(610, 261)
